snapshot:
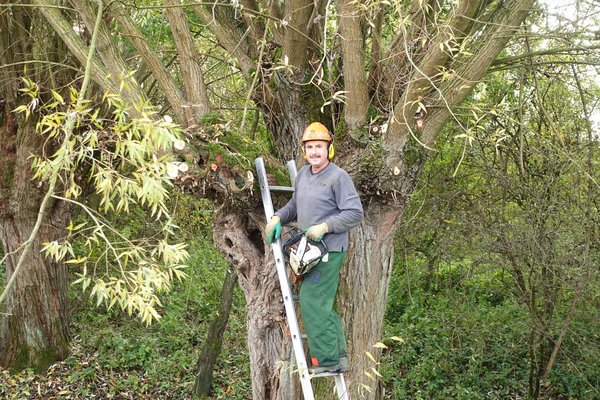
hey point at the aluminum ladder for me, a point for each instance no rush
(286, 291)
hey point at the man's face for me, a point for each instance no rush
(316, 153)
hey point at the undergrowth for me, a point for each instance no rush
(114, 356)
(467, 339)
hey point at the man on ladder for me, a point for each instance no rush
(325, 205)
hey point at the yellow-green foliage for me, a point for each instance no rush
(124, 159)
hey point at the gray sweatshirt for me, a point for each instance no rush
(328, 196)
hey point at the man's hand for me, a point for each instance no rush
(316, 232)
(273, 229)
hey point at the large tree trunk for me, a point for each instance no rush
(33, 315)
(364, 288)
(240, 239)
(33, 323)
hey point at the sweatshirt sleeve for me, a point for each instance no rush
(348, 202)
(287, 213)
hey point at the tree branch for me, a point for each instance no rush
(355, 79)
(414, 33)
(229, 36)
(471, 69)
(441, 51)
(295, 43)
(157, 69)
(105, 46)
(547, 52)
(189, 61)
(97, 71)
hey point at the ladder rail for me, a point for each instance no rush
(285, 287)
(292, 319)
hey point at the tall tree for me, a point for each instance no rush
(34, 323)
(424, 69)
(45, 159)
(385, 77)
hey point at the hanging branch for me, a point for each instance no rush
(68, 129)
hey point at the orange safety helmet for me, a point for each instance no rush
(318, 131)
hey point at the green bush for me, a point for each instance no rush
(163, 356)
(576, 374)
(468, 338)
(459, 350)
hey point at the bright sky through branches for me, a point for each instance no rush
(581, 17)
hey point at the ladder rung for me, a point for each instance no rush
(281, 188)
(324, 374)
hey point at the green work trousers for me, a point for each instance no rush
(326, 340)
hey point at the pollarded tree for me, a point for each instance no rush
(385, 77)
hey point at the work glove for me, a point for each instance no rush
(273, 229)
(316, 232)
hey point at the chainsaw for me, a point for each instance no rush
(302, 253)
